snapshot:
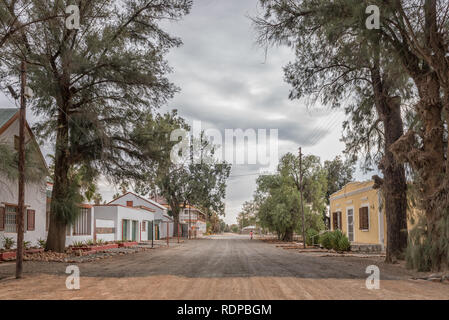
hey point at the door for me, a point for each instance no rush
(150, 230)
(134, 234)
(125, 228)
(351, 225)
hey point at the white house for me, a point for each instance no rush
(129, 223)
(195, 218)
(35, 192)
(161, 217)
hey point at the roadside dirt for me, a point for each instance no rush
(232, 268)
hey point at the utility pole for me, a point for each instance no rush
(21, 201)
(189, 222)
(302, 202)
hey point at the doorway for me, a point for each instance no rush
(350, 213)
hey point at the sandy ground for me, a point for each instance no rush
(226, 267)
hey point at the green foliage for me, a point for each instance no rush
(343, 244)
(26, 245)
(424, 253)
(100, 242)
(311, 237)
(336, 240)
(339, 173)
(278, 197)
(197, 178)
(41, 243)
(35, 170)
(327, 240)
(8, 243)
(77, 244)
(92, 86)
(90, 242)
(247, 217)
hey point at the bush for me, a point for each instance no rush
(311, 237)
(42, 243)
(326, 240)
(8, 243)
(26, 245)
(336, 240)
(344, 244)
(77, 244)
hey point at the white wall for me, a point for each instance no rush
(70, 239)
(118, 213)
(102, 223)
(35, 195)
(138, 201)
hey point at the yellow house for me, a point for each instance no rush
(357, 210)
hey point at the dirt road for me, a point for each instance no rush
(227, 267)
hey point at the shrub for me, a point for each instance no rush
(26, 244)
(326, 240)
(336, 240)
(8, 243)
(100, 242)
(77, 244)
(311, 237)
(90, 242)
(344, 244)
(42, 243)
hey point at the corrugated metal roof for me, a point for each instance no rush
(6, 114)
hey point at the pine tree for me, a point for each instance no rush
(92, 85)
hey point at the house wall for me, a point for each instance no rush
(71, 238)
(137, 201)
(35, 195)
(119, 213)
(357, 195)
(102, 225)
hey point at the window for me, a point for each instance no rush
(10, 219)
(363, 218)
(144, 227)
(336, 220)
(2, 219)
(83, 223)
(129, 203)
(31, 220)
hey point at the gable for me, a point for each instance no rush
(137, 201)
(9, 128)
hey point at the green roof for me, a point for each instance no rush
(6, 114)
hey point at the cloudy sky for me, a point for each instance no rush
(228, 82)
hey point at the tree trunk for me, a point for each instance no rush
(57, 228)
(394, 185)
(175, 214)
(288, 235)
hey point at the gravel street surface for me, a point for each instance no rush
(219, 267)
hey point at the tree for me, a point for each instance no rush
(418, 35)
(278, 201)
(247, 217)
(92, 86)
(339, 60)
(338, 173)
(195, 179)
